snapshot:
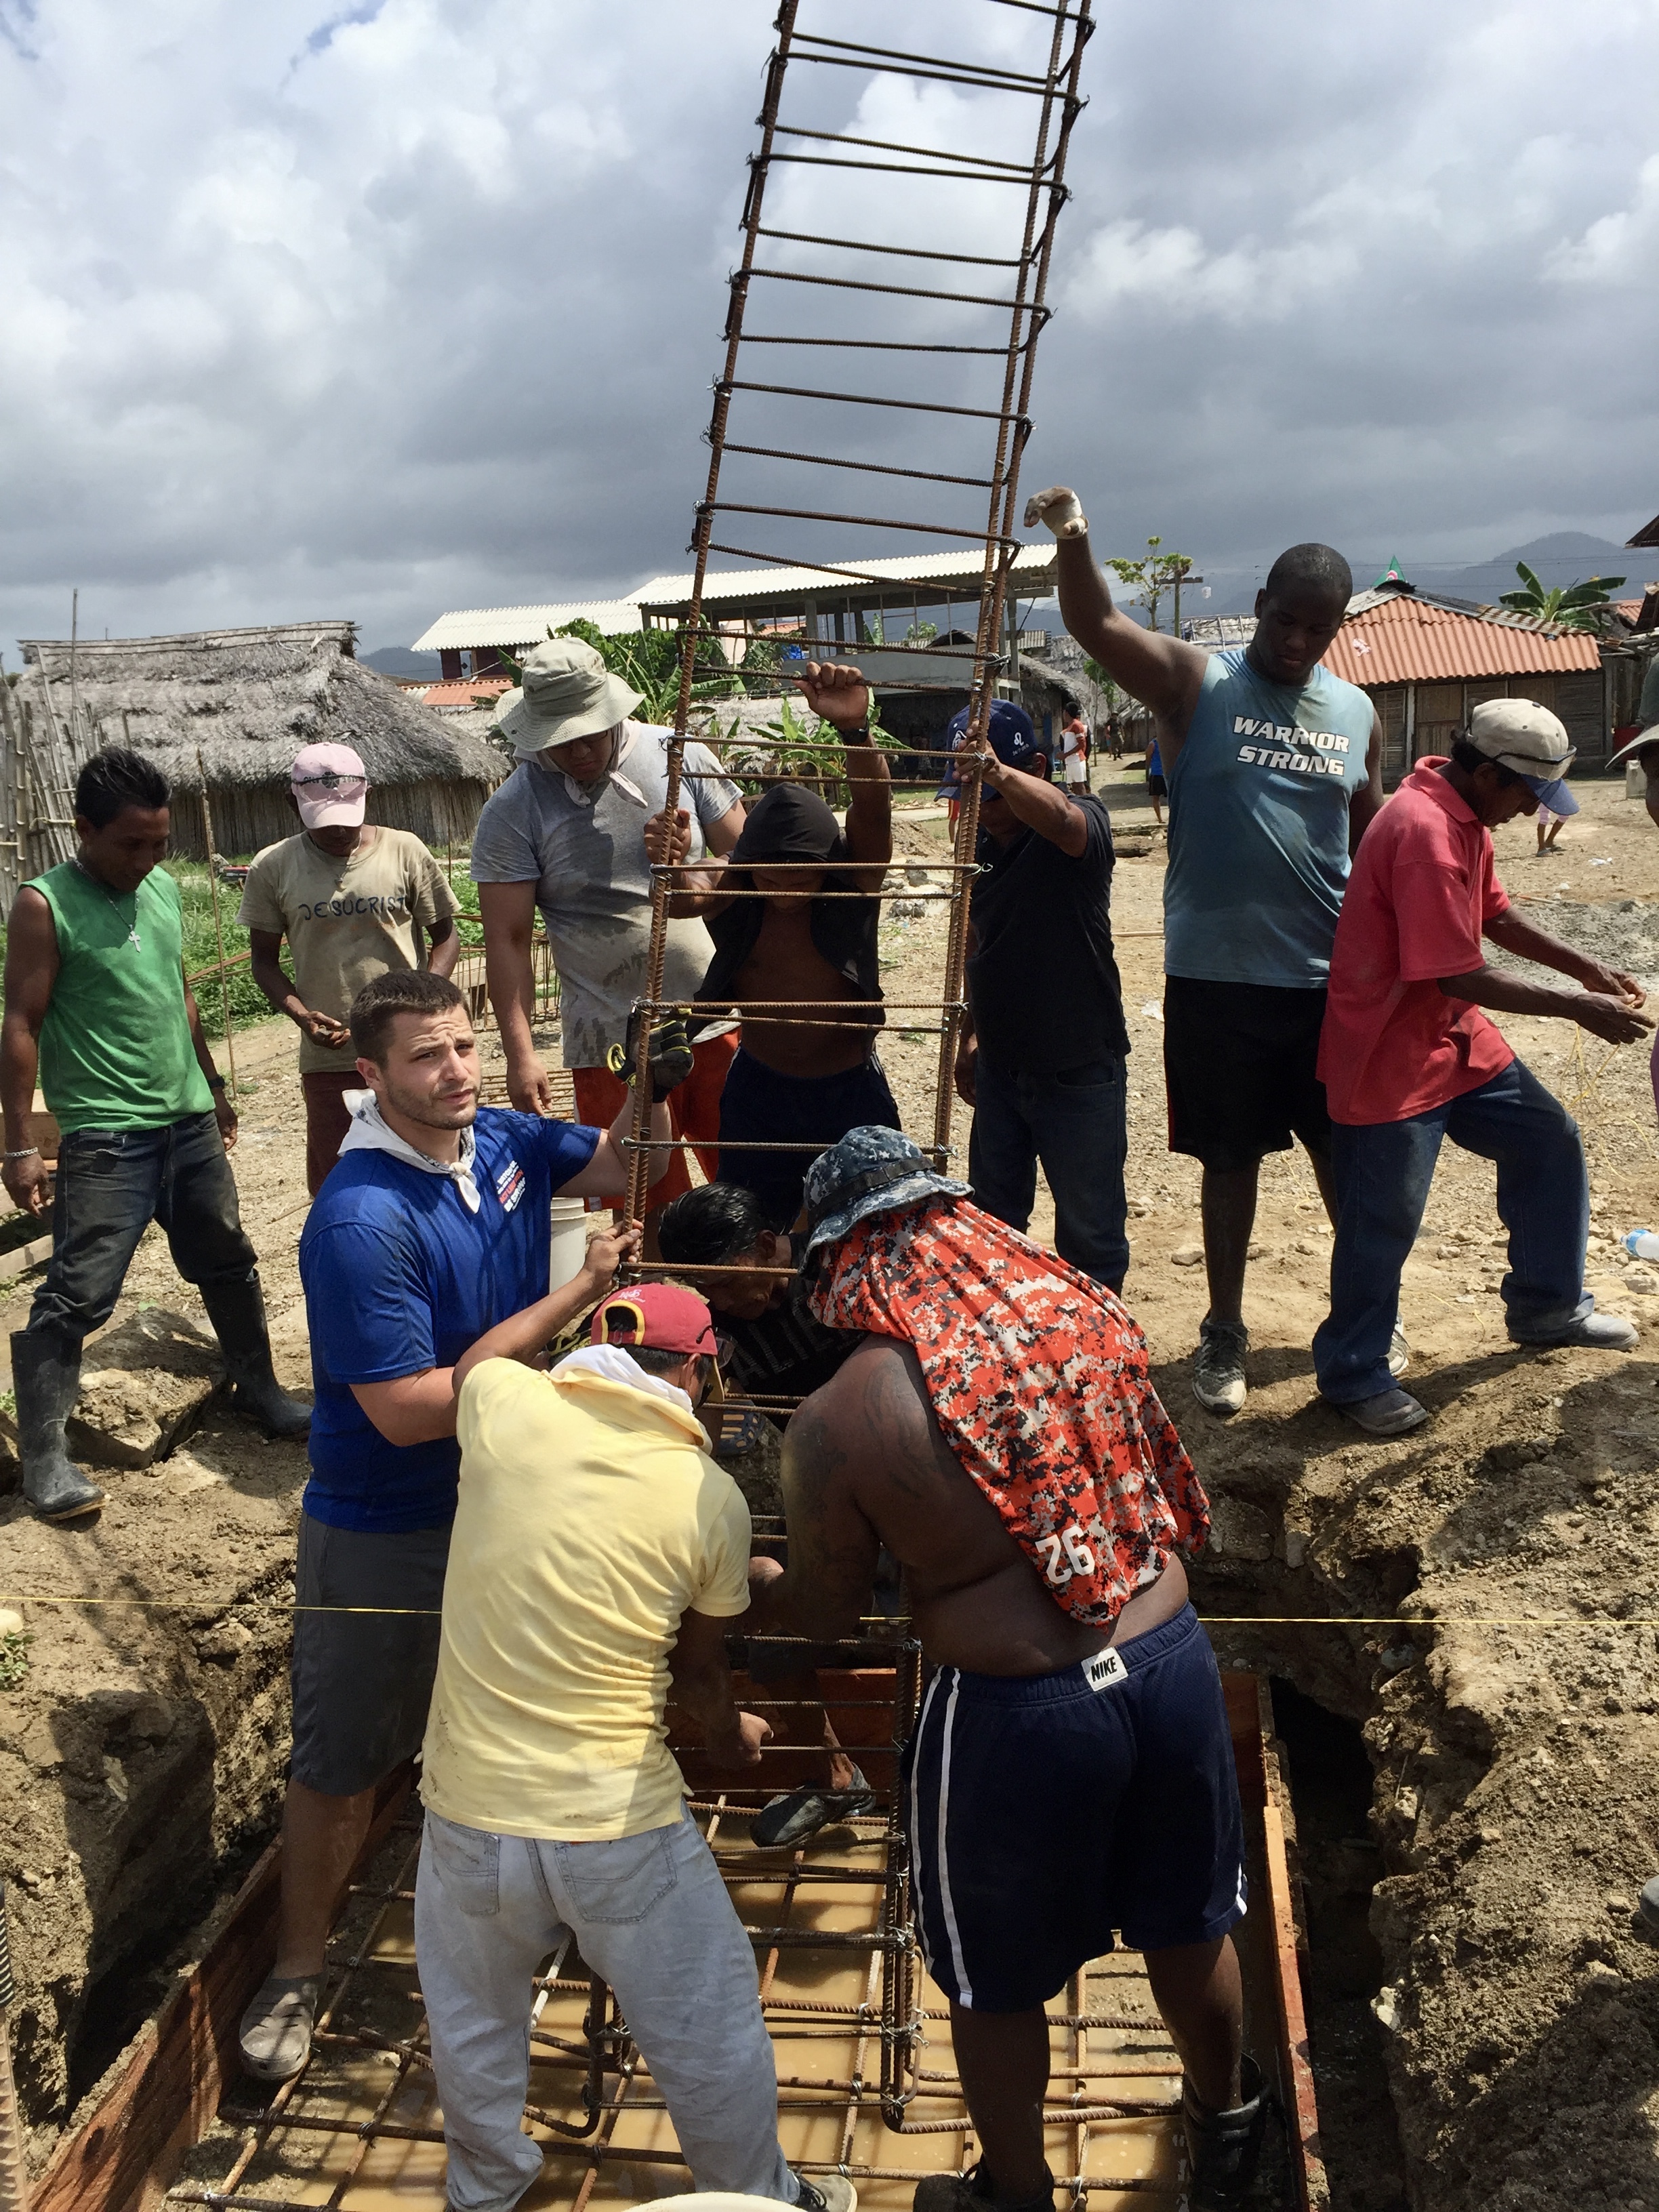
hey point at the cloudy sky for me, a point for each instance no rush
(414, 305)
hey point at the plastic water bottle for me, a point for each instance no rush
(1642, 1244)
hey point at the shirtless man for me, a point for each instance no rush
(1071, 1771)
(806, 1079)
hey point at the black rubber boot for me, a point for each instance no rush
(1224, 2148)
(237, 1311)
(45, 1376)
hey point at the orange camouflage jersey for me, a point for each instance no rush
(1037, 1376)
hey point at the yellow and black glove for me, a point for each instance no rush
(670, 1059)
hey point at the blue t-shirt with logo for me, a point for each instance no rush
(1258, 840)
(400, 1277)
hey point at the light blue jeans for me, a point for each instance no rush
(651, 1915)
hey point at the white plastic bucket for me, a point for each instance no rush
(571, 1218)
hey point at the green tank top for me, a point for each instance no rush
(115, 1049)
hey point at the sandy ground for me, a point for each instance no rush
(1516, 1804)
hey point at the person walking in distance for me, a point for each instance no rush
(97, 1007)
(1274, 769)
(1409, 1060)
(1074, 748)
(354, 900)
(1041, 1058)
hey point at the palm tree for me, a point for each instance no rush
(1577, 607)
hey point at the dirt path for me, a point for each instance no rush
(1516, 1807)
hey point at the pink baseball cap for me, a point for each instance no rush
(331, 786)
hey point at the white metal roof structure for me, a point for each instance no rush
(730, 593)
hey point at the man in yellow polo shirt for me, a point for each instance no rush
(597, 1554)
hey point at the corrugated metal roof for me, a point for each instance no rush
(1397, 639)
(1648, 535)
(1033, 570)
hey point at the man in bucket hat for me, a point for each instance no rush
(554, 1807)
(566, 836)
(355, 901)
(1071, 1771)
(1407, 1059)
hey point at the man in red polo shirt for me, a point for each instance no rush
(1407, 1059)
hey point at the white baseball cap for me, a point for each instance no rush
(1529, 741)
(331, 786)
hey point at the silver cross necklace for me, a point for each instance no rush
(133, 937)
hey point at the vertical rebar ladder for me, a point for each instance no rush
(937, 381)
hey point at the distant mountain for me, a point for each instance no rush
(1564, 556)
(399, 660)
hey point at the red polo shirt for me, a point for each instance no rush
(1421, 893)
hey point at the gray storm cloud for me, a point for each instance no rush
(412, 306)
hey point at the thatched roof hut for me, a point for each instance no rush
(246, 700)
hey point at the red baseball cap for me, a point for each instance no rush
(662, 1315)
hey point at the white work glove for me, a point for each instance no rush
(1059, 508)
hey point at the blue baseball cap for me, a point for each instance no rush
(1013, 740)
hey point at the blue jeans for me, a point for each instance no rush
(1074, 1123)
(112, 1184)
(1383, 1170)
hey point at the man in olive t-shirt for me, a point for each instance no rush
(97, 1006)
(353, 900)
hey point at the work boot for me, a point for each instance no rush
(1389, 1413)
(973, 2192)
(274, 2036)
(1222, 2149)
(46, 1377)
(1219, 1382)
(1597, 1332)
(237, 1311)
(1648, 1905)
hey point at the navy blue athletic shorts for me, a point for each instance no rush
(1046, 1811)
(759, 1103)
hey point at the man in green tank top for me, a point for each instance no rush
(98, 1010)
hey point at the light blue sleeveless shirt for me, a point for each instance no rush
(1258, 836)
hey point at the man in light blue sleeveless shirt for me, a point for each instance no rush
(1274, 767)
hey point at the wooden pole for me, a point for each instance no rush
(218, 926)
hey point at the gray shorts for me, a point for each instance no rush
(363, 1681)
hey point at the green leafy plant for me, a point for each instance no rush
(14, 1658)
(1146, 581)
(1571, 606)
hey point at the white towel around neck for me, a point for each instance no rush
(616, 1365)
(369, 1133)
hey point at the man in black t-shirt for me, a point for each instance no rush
(780, 1350)
(1042, 1052)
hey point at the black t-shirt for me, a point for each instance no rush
(1043, 980)
(786, 1353)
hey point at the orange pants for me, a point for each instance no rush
(694, 1111)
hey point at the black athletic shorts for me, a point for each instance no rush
(1239, 1068)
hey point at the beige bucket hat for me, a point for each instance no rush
(567, 692)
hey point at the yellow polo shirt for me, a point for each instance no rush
(591, 1518)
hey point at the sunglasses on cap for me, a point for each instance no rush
(330, 781)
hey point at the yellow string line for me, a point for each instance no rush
(1208, 1620)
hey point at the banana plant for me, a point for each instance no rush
(1572, 607)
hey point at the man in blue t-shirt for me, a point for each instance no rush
(1274, 767)
(433, 1229)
